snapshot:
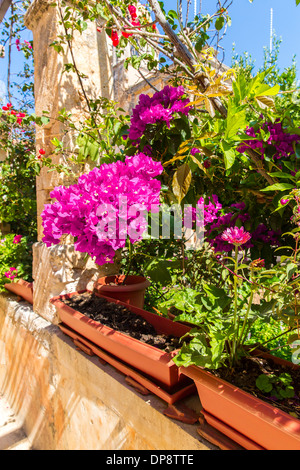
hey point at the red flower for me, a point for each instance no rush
(115, 38)
(42, 151)
(132, 11)
(126, 35)
(6, 108)
(136, 23)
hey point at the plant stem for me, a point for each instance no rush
(235, 325)
(240, 340)
(130, 248)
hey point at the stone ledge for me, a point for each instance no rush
(67, 400)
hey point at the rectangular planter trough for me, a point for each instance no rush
(146, 358)
(246, 419)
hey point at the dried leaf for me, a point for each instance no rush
(265, 102)
(181, 181)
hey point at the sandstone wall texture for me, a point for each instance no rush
(66, 400)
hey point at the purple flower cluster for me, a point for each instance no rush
(216, 222)
(278, 138)
(104, 207)
(161, 107)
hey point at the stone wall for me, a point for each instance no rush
(66, 400)
(55, 90)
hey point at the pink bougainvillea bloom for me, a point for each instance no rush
(236, 236)
(17, 239)
(104, 207)
(11, 273)
(18, 44)
(20, 117)
(28, 44)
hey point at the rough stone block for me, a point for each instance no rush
(61, 270)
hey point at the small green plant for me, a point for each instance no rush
(15, 259)
(279, 387)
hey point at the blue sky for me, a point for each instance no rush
(250, 30)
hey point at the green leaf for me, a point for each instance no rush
(158, 272)
(281, 174)
(266, 90)
(229, 154)
(278, 187)
(235, 122)
(197, 352)
(263, 383)
(291, 269)
(219, 23)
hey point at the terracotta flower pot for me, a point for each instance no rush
(22, 288)
(153, 362)
(132, 292)
(248, 420)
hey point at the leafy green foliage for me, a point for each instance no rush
(15, 255)
(276, 386)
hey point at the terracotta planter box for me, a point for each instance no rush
(148, 359)
(249, 421)
(22, 288)
(132, 292)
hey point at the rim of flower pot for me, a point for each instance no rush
(145, 357)
(133, 283)
(22, 288)
(243, 400)
(57, 301)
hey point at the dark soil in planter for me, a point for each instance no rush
(249, 368)
(120, 318)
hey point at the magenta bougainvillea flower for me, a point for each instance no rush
(216, 220)
(236, 236)
(17, 239)
(161, 107)
(279, 141)
(11, 273)
(105, 207)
